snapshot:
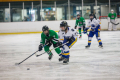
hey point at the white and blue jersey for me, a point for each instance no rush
(63, 37)
(95, 30)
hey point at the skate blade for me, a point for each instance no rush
(65, 63)
(87, 47)
(100, 47)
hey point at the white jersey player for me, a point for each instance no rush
(66, 35)
(95, 30)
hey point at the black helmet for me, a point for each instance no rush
(44, 28)
(78, 14)
(91, 15)
(64, 24)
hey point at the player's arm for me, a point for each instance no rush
(109, 17)
(42, 42)
(54, 37)
(83, 24)
(73, 36)
(76, 23)
(88, 26)
(42, 39)
(115, 17)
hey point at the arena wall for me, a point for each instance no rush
(36, 27)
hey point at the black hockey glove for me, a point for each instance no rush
(75, 27)
(71, 39)
(60, 44)
(40, 47)
(48, 43)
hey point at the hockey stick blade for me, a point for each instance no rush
(115, 23)
(26, 58)
(17, 63)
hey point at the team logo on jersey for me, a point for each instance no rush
(112, 16)
(80, 22)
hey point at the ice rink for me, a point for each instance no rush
(85, 64)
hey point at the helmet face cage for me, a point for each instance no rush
(78, 14)
(64, 24)
(45, 28)
(91, 15)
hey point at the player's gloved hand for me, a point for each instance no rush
(48, 43)
(85, 32)
(75, 27)
(59, 44)
(71, 39)
(40, 47)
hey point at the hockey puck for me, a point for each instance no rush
(28, 68)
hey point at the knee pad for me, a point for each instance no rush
(89, 38)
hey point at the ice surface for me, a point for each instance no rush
(85, 64)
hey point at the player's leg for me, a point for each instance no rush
(46, 48)
(99, 39)
(110, 26)
(58, 51)
(91, 34)
(65, 54)
(114, 26)
(79, 29)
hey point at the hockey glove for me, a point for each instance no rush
(60, 44)
(85, 31)
(71, 39)
(40, 47)
(48, 43)
(75, 27)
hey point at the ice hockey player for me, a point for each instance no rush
(80, 22)
(112, 20)
(66, 35)
(49, 37)
(95, 30)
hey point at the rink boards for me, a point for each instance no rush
(36, 27)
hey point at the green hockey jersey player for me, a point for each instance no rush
(80, 22)
(49, 37)
(112, 20)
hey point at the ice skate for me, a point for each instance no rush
(66, 60)
(88, 46)
(80, 36)
(50, 56)
(100, 46)
(61, 58)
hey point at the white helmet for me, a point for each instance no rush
(112, 11)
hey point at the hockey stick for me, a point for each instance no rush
(51, 49)
(114, 23)
(42, 47)
(26, 58)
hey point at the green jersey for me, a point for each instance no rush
(112, 16)
(80, 21)
(52, 34)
